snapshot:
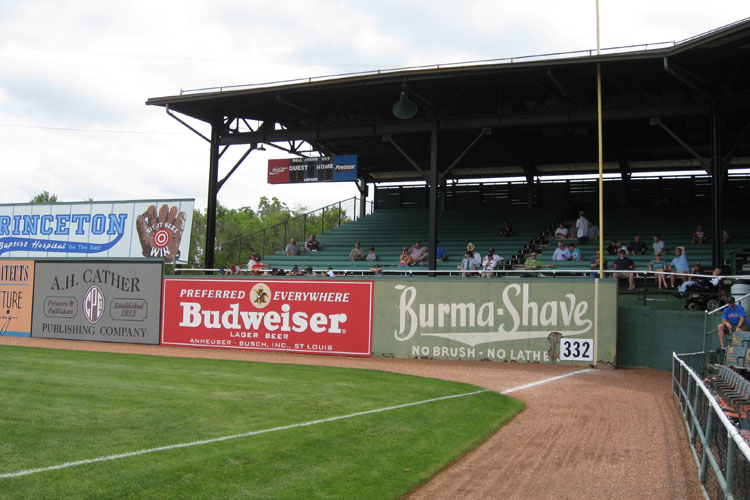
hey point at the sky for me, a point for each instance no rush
(75, 75)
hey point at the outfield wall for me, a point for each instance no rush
(104, 301)
(534, 320)
(648, 337)
(16, 296)
(545, 321)
(525, 320)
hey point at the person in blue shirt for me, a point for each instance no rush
(733, 319)
(440, 254)
(678, 265)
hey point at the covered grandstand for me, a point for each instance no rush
(667, 108)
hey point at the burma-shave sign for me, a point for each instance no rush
(98, 229)
(106, 301)
(545, 321)
(317, 317)
(337, 168)
(16, 295)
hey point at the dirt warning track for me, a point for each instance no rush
(601, 434)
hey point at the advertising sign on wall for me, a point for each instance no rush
(318, 317)
(109, 301)
(121, 229)
(338, 168)
(16, 295)
(525, 321)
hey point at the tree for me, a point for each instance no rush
(44, 197)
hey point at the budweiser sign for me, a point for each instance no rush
(321, 317)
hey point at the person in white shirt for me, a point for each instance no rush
(561, 233)
(582, 227)
(561, 252)
(490, 263)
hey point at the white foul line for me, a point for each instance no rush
(107, 458)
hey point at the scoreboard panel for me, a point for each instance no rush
(337, 168)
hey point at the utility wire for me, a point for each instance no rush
(102, 131)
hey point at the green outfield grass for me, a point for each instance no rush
(65, 406)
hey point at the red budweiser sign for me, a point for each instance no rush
(320, 317)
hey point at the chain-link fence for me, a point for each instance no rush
(275, 237)
(720, 452)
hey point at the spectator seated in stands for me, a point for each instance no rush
(476, 256)
(582, 227)
(467, 264)
(678, 265)
(622, 263)
(698, 284)
(613, 248)
(296, 271)
(637, 247)
(292, 249)
(534, 263)
(371, 255)
(490, 263)
(309, 271)
(404, 259)
(357, 253)
(699, 237)
(377, 270)
(697, 269)
(658, 246)
(254, 265)
(329, 272)
(659, 266)
(732, 320)
(561, 233)
(231, 270)
(575, 253)
(440, 255)
(417, 254)
(594, 265)
(506, 230)
(561, 252)
(313, 245)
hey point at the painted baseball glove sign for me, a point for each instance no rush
(160, 235)
(314, 317)
(109, 229)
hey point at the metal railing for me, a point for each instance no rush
(714, 440)
(497, 273)
(276, 236)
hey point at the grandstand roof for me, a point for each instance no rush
(540, 110)
(677, 106)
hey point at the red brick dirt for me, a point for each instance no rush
(600, 434)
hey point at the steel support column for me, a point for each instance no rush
(213, 189)
(717, 190)
(433, 196)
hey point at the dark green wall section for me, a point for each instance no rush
(647, 337)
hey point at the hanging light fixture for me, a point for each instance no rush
(404, 108)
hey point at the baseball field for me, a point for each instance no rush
(108, 425)
(584, 434)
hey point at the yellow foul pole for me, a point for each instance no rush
(601, 190)
(601, 149)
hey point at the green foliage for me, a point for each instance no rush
(239, 232)
(63, 406)
(44, 197)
